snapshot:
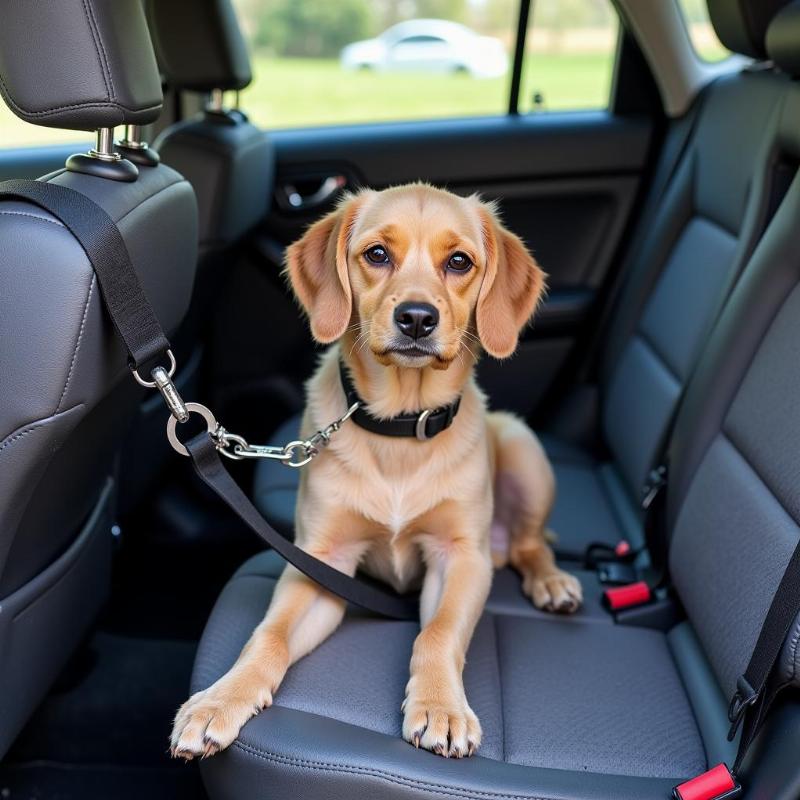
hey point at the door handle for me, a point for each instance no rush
(290, 198)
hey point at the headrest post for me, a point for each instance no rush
(135, 149)
(103, 161)
(216, 101)
(104, 145)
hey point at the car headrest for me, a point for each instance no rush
(199, 44)
(81, 64)
(783, 39)
(741, 25)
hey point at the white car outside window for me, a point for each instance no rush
(429, 45)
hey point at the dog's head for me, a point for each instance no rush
(417, 272)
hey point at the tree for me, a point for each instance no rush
(311, 28)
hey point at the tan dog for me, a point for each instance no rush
(405, 510)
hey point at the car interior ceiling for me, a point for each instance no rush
(668, 224)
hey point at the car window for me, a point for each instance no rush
(14, 132)
(317, 62)
(570, 52)
(701, 32)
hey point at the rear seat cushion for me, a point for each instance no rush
(546, 719)
(506, 596)
(591, 504)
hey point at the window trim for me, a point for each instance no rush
(519, 57)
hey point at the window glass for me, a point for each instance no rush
(701, 32)
(16, 133)
(318, 62)
(570, 52)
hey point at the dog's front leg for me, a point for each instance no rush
(300, 616)
(437, 714)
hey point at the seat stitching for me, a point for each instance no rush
(402, 780)
(55, 109)
(93, 34)
(32, 216)
(77, 343)
(32, 426)
(101, 47)
(6, 442)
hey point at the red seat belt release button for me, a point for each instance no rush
(620, 597)
(622, 549)
(716, 784)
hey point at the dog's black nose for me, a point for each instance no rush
(416, 320)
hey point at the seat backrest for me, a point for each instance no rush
(734, 489)
(66, 394)
(706, 225)
(228, 160)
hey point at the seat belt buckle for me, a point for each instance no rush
(619, 598)
(717, 783)
(600, 552)
(617, 573)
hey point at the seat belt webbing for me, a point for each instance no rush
(756, 689)
(127, 304)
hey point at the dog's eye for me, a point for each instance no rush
(377, 255)
(459, 262)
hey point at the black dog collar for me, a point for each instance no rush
(424, 425)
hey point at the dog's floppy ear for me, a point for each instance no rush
(317, 270)
(512, 287)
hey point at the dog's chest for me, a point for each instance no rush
(395, 496)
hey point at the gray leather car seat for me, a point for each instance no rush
(229, 163)
(66, 394)
(686, 256)
(574, 709)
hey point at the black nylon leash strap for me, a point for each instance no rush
(209, 467)
(127, 304)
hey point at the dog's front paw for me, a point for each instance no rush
(447, 727)
(210, 720)
(555, 591)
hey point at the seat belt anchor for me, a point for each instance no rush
(744, 697)
(656, 480)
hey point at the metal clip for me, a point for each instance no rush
(152, 384)
(297, 453)
(294, 454)
(211, 426)
(655, 482)
(170, 394)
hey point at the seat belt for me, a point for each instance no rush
(756, 690)
(137, 326)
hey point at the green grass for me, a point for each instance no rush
(298, 92)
